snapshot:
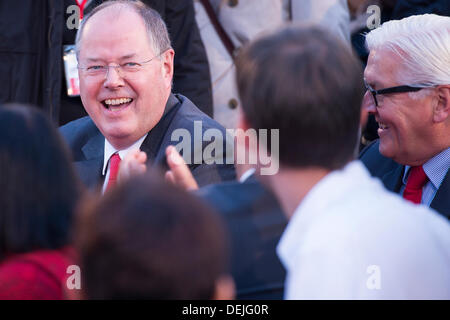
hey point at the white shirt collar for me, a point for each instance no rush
(110, 150)
(436, 168)
(246, 175)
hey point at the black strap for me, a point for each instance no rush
(218, 27)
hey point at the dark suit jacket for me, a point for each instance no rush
(391, 173)
(87, 143)
(255, 223)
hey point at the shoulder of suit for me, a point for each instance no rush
(230, 190)
(189, 112)
(375, 162)
(79, 129)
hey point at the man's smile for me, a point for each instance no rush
(116, 103)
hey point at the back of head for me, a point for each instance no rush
(38, 183)
(422, 43)
(149, 240)
(307, 84)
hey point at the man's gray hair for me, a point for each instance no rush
(154, 24)
(423, 44)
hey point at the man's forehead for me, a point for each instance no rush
(120, 33)
(379, 66)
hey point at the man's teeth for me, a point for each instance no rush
(115, 102)
(382, 126)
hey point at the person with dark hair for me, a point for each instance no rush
(39, 195)
(125, 64)
(147, 239)
(226, 25)
(347, 237)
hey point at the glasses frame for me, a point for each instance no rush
(119, 67)
(390, 90)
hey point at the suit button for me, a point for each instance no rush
(233, 3)
(232, 103)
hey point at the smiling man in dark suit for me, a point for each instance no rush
(408, 91)
(125, 63)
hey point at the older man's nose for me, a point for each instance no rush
(368, 103)
(113, 78)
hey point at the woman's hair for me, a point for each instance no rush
(149, 240)
(39, 189)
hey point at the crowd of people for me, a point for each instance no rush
(146, 197)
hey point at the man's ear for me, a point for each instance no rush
(442, 108)
(167, 66)
(225, 289)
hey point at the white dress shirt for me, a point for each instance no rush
(110, 150)
(352, 239)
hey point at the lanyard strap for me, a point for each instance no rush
(219, 29)
(81, 5)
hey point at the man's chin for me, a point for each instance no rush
(117, 135)
(386, 149)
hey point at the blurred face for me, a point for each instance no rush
(128, 102)
(405, 124)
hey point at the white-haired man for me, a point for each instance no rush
(408, 90)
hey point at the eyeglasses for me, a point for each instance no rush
(397, 89)
(125, 70)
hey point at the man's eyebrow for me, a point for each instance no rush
(94, 59)
(127, 56)
(372, 80)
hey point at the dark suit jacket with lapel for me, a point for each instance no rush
(391, 173)
(255, 223)
(87, 143)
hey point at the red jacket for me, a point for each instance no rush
(39, 274)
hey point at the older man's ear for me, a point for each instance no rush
(442, 108)
(167, 66)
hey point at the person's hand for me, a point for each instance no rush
(179, 173)
(132, 164)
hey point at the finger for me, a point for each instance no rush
(142, 157)
(180, 172)
(173, 157)
(169, 177)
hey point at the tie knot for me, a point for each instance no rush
(114, 160)
(114, 163)
(417, 177)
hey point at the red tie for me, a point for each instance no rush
(416, 180)
(114, 163)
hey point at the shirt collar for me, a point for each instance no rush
(246, 175)
(110, 150)
(436, 168)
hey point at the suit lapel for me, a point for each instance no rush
(90, 170)
(153, 142)
(393, 179)
(441, 200)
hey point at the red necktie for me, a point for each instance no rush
(114, 163)
(416, 180)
